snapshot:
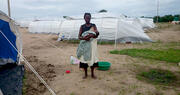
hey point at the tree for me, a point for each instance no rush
(103, 10)
(166, 18)
(155, 18)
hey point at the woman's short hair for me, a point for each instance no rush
(87, 14)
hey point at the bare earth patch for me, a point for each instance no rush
(51, 63)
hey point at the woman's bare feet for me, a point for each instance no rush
(86, 74)
(85, 77)
(92, 73)
(94, 77)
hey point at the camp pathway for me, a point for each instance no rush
(52, 64)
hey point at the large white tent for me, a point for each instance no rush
(45, 27)
(111, 27)
(26, 22)
(146, 22)
(100, 15)
(23, 23)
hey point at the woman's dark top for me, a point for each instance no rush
(85, 28)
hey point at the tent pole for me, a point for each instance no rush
(115, 46)
(101, 29)
(9, 9)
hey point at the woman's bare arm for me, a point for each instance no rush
(96, 31)
(80, 33)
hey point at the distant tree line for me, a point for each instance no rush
(167, 18)
(102, 11)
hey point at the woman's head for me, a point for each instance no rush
(87, 17)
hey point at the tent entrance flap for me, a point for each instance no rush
(7, 52)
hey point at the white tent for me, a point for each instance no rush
(146, 22)
(131, 33)
(23, 23)
(111, 29)
(100, 15)
(45, 27)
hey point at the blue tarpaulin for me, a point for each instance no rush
(11, 74)
(11, 79)
(6, 50)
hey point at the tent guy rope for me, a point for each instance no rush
(29, 65)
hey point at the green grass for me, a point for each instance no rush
(105, 43)
(99, 42)
(72, 41)
(163, 25)
(72, 93)
(172, 44)
(168, 26)
(158, 76)
(169, 55)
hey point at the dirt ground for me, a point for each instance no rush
(51, 59)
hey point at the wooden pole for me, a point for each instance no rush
(9, 9)
(157, 10)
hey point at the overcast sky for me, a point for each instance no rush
(59, 8)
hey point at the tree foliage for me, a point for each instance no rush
(103, 10)
(166, 18)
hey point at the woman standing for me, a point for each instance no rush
(87, 49)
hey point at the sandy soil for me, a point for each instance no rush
(51, 59)
(167, 34)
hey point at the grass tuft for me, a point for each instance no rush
(158, 76)
(169, 55)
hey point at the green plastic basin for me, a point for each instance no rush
(104, 66)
